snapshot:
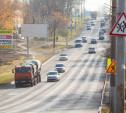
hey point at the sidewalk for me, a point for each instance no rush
(106, 92)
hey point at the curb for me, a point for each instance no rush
(102, 97)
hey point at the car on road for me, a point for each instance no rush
(103, 29)
(91, 50)
(63, 57)
(92, 22)
(84, 39)
(53, 76)
(60, 68)
(93, 41)
(101, 32)
(78, 42)
(88, 27)
(101, 37)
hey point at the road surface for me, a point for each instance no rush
(78, 91)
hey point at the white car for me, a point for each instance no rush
(91, 50)
(63, 56)
(78, 42)
(60, 68)
(53, 76)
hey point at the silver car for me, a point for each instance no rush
(63, 56)
(91, 50)
(60, 68)
(53, 76)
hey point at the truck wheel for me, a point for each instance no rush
(35, 80)
(16, 85)
(39, 78)
(32, 83)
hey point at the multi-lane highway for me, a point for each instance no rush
(78, 91)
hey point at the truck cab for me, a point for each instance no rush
(27, 73)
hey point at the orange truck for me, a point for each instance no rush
(28, 73)
(94, 15)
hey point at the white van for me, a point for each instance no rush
(78, 42)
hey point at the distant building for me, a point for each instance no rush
(26, 1)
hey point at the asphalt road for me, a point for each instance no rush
(78, 91)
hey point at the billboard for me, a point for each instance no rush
(88, 14)
(34, 30)
(6, 39)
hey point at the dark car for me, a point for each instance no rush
(84, 39)
(101, 37)
(60, 68)
(101, 32)
(93, 41)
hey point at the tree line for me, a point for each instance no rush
(53, 12)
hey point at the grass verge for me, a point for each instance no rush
(106, 110)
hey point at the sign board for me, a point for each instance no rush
(119, 28)
(34, 30)
(108, 62)
(87, 14)
(112, 67)
(6, 39)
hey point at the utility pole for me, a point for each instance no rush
(27, 47)
(113, 56)
(120, 69)
(71, 26)
(67, 27)
(81, 11)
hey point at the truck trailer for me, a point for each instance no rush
(28, 73)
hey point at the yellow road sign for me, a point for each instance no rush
(6, 32)
(112, 67)
(108, 62)
(6, 46)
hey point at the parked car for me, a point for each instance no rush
(84, 39)
(101, 37)
(78, 42)
(93, 41)
(53, 76)
(63, 56)
(60, 68)
(91, 50)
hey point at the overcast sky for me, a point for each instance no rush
(92, 5)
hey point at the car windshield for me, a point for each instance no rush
(78, 41)
(93, 39)
(52, 73)
(83, 38)
(91, 48)
(23, 70)
(59, 65)
(63, 54)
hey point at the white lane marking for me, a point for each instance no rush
(12, 94)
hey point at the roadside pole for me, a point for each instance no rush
(113, 56)
(27, 47)
(120, 61)
(67, 28)
(71, 26)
